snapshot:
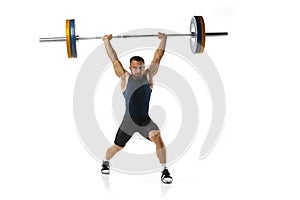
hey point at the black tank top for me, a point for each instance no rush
(137, 97)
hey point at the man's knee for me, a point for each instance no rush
(154, 136)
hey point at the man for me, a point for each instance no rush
(137, 87)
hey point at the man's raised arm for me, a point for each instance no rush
(119, 69)
(153, 68)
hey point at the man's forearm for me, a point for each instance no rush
(160, 50)
(162, 44)
(110, 51)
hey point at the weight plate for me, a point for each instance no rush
(197, 42)
(73, 38)
(68, 39)
(201, 20)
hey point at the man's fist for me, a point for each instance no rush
(162, 35)
(107, 37)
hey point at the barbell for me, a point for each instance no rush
(197, 34)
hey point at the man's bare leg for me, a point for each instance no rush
(111, 151)
(155, 137)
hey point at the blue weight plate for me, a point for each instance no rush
(73, 38)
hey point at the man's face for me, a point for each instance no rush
(137, 69)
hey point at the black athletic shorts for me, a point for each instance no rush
(128, 127)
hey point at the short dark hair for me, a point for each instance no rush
(137, 58)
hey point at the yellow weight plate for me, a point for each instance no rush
(68, 39)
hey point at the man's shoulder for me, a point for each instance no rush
(125, 75)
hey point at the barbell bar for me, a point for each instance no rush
(197, 34)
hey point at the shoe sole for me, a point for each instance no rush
(106, 173)
(167, 182)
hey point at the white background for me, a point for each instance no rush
(257, 156)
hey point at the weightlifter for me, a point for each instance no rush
(136, 87)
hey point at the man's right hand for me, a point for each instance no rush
(162, 36)
(107, 37)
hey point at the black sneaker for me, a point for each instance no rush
(165, 177)
(105, 167)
